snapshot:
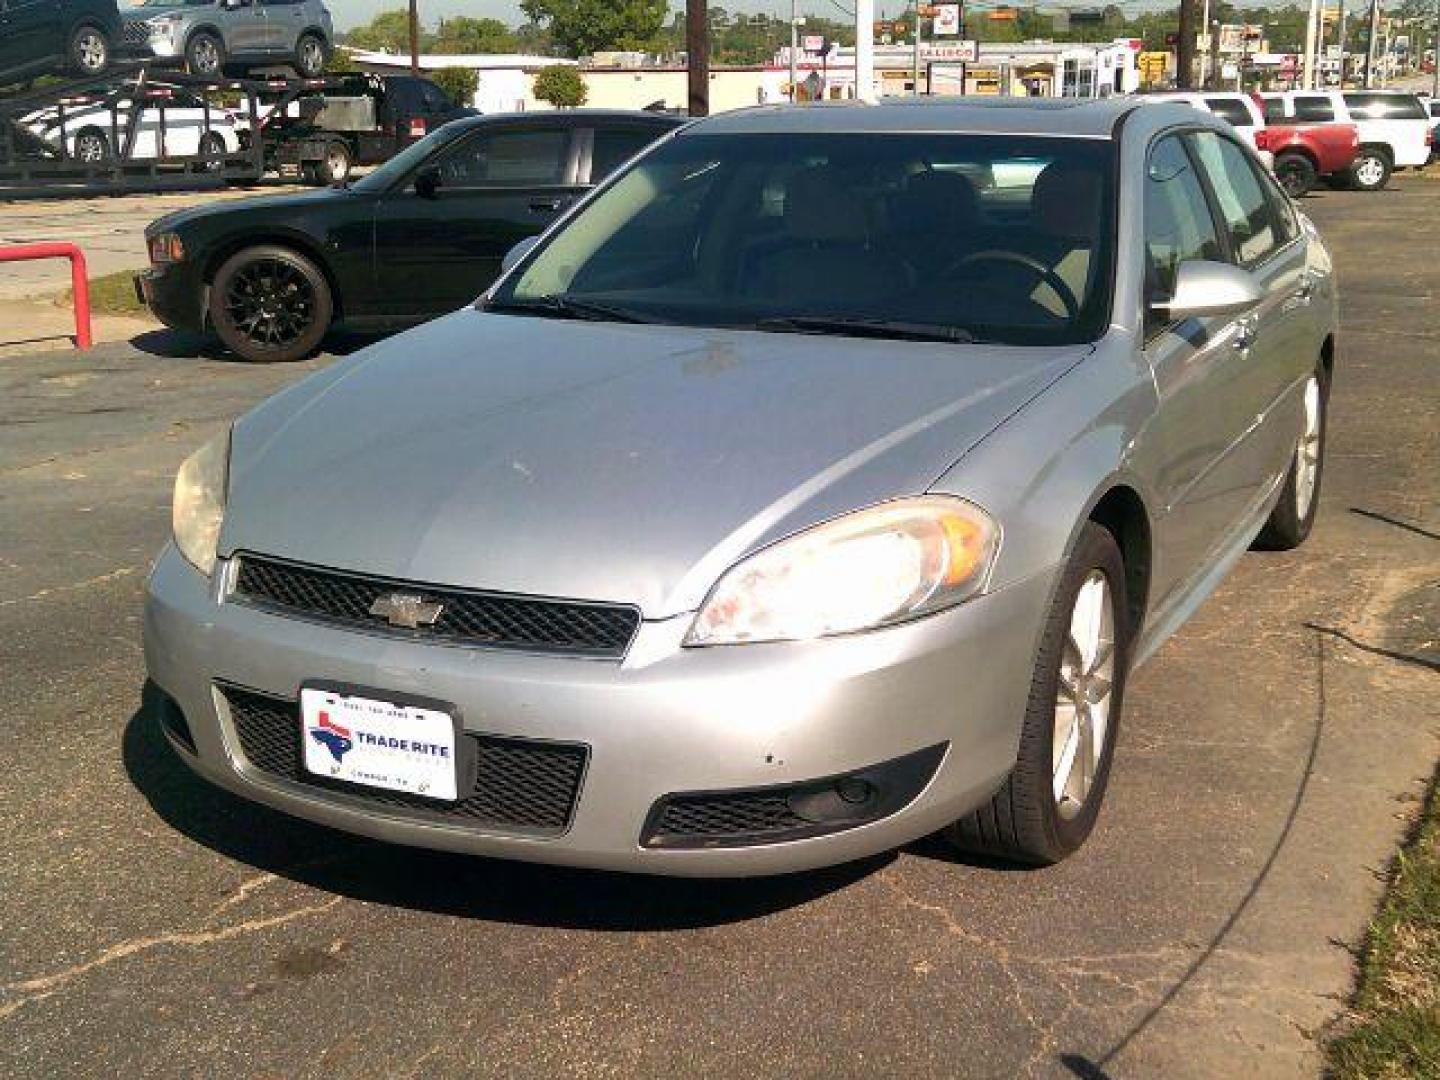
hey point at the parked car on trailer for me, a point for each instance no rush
(209, 36)
(172, 123)
(1394, 128)
(40, 37)
(723, 537)
(422, 235)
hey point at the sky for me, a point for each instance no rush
(351, 13)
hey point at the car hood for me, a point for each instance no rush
(603, 461)
(267, 205)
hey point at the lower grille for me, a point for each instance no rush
(136, 33)
(497, 620)
(520, 785)
(743, 813)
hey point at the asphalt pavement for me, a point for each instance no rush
(1269, 758)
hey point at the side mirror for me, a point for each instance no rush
(427, 182)
(1210, 288)
(518, 252)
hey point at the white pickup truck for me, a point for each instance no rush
(1394, 127)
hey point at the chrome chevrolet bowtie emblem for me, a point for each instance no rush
(407, 610)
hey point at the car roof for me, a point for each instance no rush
(1079, 118)
(568, 118)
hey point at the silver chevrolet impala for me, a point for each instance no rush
(811, 487)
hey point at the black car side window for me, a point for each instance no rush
(1178, 224)
(525, 158)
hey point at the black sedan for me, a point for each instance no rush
(422, 235)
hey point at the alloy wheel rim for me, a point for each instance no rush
(270, 302)
(92, 51)
(207, 58)
(1307, 451)
(1369, 171)
(89, 148)
(1083, 695)
(311, 57)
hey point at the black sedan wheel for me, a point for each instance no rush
(270, 303)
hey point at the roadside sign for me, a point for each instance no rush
(814, 43)
(947, 20)
(965, 52)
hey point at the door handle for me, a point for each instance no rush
(545, 206)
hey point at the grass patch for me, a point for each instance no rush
(1393, 1025)
(113, 294)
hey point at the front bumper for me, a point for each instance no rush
(664, 721)
(174, 293)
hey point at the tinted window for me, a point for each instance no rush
(507, 159)
(1178, 225)
(1385, 106)
(615, 146)
(1231, 110)
(1273, 109)
(1314, 109)
(1005, 237)
(434, 98)
(1244, 203)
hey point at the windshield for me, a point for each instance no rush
(387, 175)
(958, 237)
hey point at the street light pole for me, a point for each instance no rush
(865, 50)
(1307, 78)
(1370, 44)
(794, 14)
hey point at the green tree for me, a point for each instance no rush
(562, 86)
(340, 63)
(582, 27)
(466, 36)
(459, 84)
(389, 31)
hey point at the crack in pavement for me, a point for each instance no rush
(44, 986)
(113, 575)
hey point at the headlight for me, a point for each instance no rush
(199, 506)
(868, 569)
(166, 248)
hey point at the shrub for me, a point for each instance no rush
(562, 86)
(458, 83)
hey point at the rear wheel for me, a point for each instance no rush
(1296, 174)
(205, 54)
(1294, 514)
(1050, 801)
(89, 51)
(270, 303)
(1371, 170)
(310, 56)
(212, 146)
(91, 146)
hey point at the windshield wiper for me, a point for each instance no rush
(878, 328)
(562, 306)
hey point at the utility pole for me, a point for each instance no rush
(414, 37)
(1185, 47)
(1343, 30)
(865, 50)
(1435, 58)
(1205, 56)
(915, 76)
(1312, 28)
(1370, 44)
(794, 44)
(697, 55)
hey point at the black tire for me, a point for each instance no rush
(88, 51)
(91, 147)
(311, 55)
(1287, 527)
(1023, 822)
(270, 304)
(211, 143)
(1371, 169)
(1296, 173)
(205, 55)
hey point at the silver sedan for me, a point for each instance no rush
(811, 487)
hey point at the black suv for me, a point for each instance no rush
(38, 37)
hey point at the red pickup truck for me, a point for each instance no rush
(1304, 152)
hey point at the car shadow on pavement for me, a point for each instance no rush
(462, 885)
(187, 345)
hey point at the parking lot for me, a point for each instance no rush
(1272, 753)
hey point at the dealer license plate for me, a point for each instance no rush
(377, 743)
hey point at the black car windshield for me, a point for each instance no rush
(403, 163)
(949, 236)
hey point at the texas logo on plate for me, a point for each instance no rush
(378, 743)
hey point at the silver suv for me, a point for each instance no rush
(210, 35)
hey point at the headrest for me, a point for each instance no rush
(820, 206)
(942, 202)
(1066, 201)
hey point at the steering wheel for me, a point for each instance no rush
(1047, 276)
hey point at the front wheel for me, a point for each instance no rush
(1296, 174)
(1049, 803)
(89, 52)
(1371, 170)
(1293, 517)
(270, 304)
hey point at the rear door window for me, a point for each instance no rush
(614, 146)
(1231, 110)
(1311, 108)
(1385, 106)
(1248, 214)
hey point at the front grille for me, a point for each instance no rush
(498, 620)
(520, 785)
(136, 33)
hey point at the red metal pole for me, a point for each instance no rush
(79, 279)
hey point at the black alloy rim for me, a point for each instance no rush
(270, 302)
